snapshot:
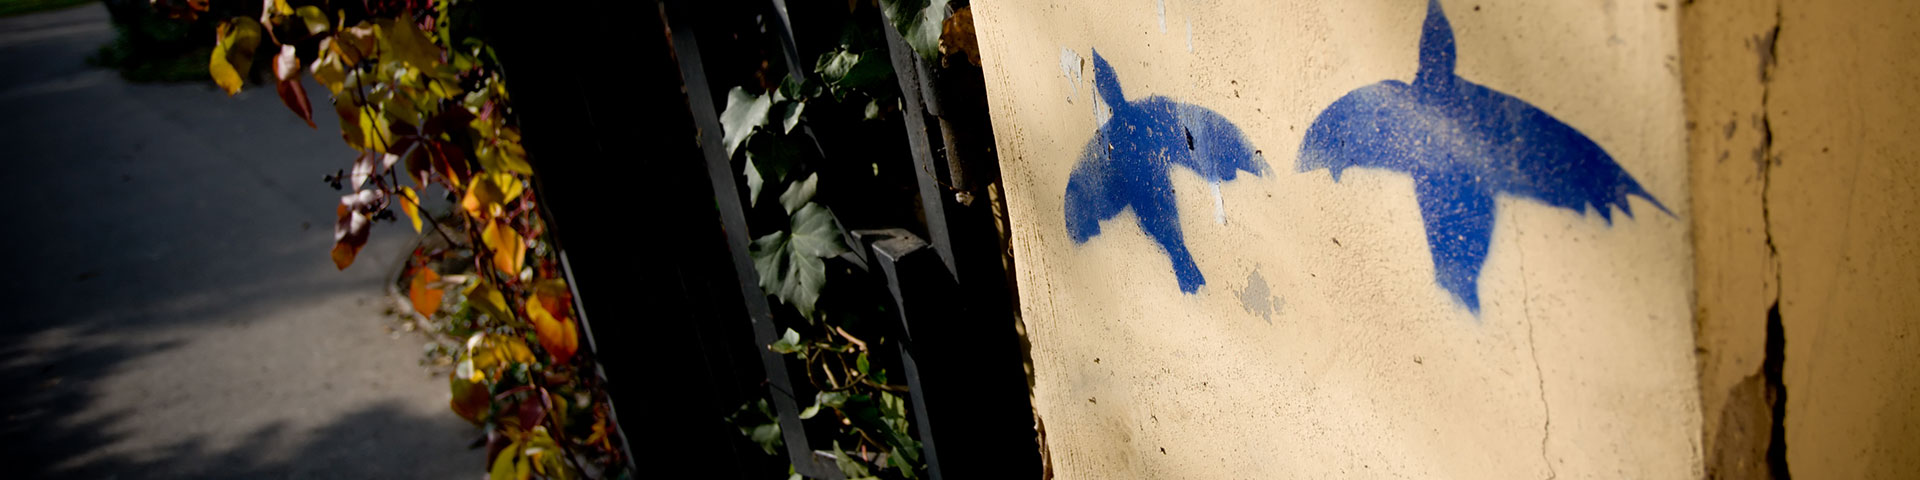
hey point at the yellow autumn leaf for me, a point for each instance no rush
(374, 132)
(410, 203)
(232, 57)
(490, 192)
(356, 43)
(326, 67)
(511, 464)
(403, 41)
(508, 247)
(488, 300)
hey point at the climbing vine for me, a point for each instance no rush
(789, 163)
(420, 97)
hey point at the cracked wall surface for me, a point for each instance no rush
(1320, 344)
(1807, 231)
(1845, 220)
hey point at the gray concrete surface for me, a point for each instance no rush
(168, 308)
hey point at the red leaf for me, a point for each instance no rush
(353, 224)
(286, 66)
(451, 160)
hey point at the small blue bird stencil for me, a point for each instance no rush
(1127, 163)
(1463, 143)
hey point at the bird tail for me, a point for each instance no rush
(1436, 48)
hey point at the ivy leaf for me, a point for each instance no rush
(798, 194)
(844, 69)
(233, 52)
(791, 264)
(790, 116)
(919, 23)
(788, 343)
(426, 300)
(745, 111)
(769, 157)
(834, 65)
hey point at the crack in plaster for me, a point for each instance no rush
(1772, 365)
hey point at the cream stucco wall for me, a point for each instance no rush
(1321, 345)
(1807, 199)
(1844, 199)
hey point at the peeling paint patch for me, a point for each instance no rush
(1070, 67)
(1258, 299)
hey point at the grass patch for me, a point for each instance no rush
(10, 8)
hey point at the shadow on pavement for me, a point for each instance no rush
(170, 310)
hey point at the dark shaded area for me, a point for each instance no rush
(1773, 369)
(631, 194)
(621, 179)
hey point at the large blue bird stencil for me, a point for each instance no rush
(1127, 164)
(1463, 143)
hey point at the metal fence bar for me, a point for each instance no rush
(932, 198)
(681, 19)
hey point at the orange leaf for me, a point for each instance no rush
(508, 247)
(552, 322)
(425, 300)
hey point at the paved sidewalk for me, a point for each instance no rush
(169, 309)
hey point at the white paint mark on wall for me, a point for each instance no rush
(1160, 8)
(1101, 112)
(1070, 63)
(1219, 205)
(1189, 35)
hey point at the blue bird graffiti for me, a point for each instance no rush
(1127, 164)
(1463, 143)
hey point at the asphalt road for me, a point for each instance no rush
(168, 308)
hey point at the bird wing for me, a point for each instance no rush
(1088, 200)
(1383, 125)
(1214, 147)
(1531, 154)
(1459, 215)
